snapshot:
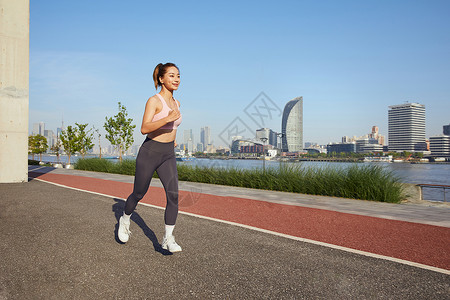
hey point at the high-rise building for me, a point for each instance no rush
(446, 129)
(39, 128)
(42, 128)
(440, 145)
(50, 136)
(268, 134)
(205, 136)
(188, 138)
(407, 127)
(341, 147)
(376, 135)
(292, 126)
(35, 128)
(187, 135)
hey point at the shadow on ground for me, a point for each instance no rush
(36, 171)
(118, 209)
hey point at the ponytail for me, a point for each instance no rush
(156, 75)
(159, 71)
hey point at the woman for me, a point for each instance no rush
(161, 119)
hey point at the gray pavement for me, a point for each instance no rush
(426, 212)
(58, 243)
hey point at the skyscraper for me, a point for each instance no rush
(205, 136)
(268, 134)
(406, 127)
(188, 135)
(42, 128)
(292, 126)
(446, 129)
(50, 136)
(35, 128)
(189, 140)
(39, 128)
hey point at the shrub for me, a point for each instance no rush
(367, 182)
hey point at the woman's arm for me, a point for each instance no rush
(150, 111)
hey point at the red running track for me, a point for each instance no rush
(421, 243)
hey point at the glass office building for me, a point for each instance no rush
(292, 126)
(341, 148)
(446, 129)
(440, 145)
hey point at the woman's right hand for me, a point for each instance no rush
(173, 115)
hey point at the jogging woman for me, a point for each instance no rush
(161, 119)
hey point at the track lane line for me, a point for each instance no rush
(310, 241)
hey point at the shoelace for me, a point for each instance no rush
(171, 241)
(127, 228)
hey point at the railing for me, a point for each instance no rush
(435, 186)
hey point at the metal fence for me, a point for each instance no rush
(433, 186)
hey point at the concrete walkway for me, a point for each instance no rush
(60, 243)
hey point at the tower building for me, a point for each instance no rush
(446, 129)
(205, 136)
(292, 126)
(406, 124)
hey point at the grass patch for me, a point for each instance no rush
(366, 182)
(126, 167)
(32, 162)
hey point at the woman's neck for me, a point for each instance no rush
(166, 93)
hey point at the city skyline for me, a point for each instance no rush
(349, 60)
(191, 145)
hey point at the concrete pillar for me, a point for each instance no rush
(14, 78)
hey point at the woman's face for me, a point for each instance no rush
(171, 80)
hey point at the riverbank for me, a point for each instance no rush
(366, 182)
(420, 173)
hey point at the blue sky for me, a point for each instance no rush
(349, 60)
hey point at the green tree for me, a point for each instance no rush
(39, 145)
(99, 142)
(406, 154)
(69, 139)
(119, 130)
(84, 139)
(31, 145)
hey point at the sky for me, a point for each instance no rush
(241, 62)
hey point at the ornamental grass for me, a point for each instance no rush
(366, 182)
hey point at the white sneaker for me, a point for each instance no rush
(170, 244)
(124, 230)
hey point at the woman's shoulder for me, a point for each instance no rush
(154, 99)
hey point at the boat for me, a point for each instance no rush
(184, 158)
(378, 159)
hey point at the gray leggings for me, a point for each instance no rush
(160, 157)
